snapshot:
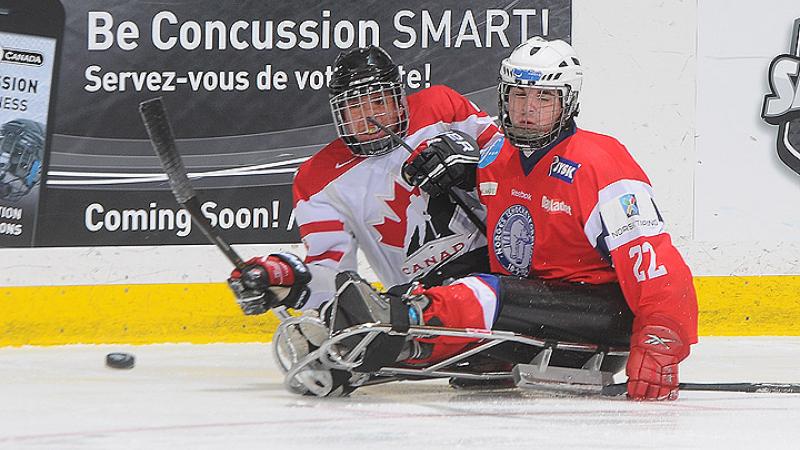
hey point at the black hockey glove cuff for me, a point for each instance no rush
(449, 160)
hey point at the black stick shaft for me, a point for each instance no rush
(192, 206)
(154, 116)
(614, 390)
(453, 195)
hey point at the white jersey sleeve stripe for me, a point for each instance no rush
(316, 243)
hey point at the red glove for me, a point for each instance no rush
(269, 281)
(278, 272)
(652, 366)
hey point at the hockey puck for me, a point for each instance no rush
(120, 360)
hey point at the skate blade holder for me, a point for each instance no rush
(539, 375)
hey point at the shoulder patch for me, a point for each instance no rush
(488, 155)
(563, 169)
(629, 216)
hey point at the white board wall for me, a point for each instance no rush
(680, 83)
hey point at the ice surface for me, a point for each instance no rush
(230, 396)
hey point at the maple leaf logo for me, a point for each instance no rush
(393, 230)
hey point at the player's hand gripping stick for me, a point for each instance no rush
(453, 195)
(254, 277)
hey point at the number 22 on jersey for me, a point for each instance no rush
(637, 252)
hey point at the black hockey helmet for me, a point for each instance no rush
(366, 82)
(21, 155)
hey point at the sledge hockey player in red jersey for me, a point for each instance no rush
(570, 210)
(351, 195)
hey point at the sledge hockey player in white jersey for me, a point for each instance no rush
(351, 194)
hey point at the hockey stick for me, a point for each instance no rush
(155, 119)
(453, 195)
(614, 390)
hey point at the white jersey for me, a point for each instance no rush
(345, 202)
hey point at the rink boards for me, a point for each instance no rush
(722, 184)
(202, 313)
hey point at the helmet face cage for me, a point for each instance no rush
(366, 83)
(21, 153)
(536, 123)
(385, 101)
(537, 79)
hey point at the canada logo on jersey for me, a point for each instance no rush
(422, 228)
(513, 240)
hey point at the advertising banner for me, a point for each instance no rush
(245, 86)
(26, 68)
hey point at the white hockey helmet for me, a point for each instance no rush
(543, 65)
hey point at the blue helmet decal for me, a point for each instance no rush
(526, 74)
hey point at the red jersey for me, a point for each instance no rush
(584, 211)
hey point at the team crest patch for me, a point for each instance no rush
(628, 202)
(563, 169)
(513, 240)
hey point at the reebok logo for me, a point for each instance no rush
(520, 194)
(656, 340)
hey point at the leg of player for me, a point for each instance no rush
(453, 306)
(596, 314)
(577, 312)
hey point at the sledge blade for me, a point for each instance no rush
(562, 379)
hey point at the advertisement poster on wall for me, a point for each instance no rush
(245, 88)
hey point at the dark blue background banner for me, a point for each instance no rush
(244, 84)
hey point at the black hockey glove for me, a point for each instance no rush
(280, 279)
(448, 160)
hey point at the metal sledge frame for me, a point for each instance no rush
(539, 374)
(331, 355)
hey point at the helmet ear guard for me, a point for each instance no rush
(543, 65)
(367, 83)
